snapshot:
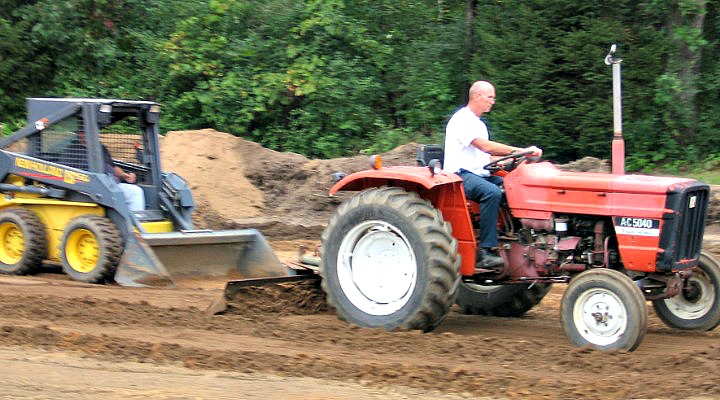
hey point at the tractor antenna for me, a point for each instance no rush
(618, 143)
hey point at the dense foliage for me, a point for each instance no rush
(329, 78)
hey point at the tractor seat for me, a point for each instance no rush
(429, 152)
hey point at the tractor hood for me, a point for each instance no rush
(533, 190)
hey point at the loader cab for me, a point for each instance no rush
(127, 129)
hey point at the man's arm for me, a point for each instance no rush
(124, 176)
(500, 149)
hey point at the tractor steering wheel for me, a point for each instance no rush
(517, 158)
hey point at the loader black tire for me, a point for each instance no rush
(389, 260)
(604, 309)
(500, 300)
(90, 249)
(23, 242)
(697, 307)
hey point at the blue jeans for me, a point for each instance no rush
(484, 190)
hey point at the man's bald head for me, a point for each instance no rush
(481, 97)
(481, 87)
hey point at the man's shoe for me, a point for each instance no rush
(485, 259)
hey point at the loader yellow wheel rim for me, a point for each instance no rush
(12, 243)
(82, 250)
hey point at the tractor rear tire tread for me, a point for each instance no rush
(438, 245)
(504, 301)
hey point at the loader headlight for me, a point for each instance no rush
(153, 114)
(104, 116)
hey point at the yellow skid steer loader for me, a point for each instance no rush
(64, 202)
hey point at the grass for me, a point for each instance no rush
(711, 175)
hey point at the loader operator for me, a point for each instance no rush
(134, 195)
(468, 149)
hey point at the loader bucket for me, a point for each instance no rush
(165, 259)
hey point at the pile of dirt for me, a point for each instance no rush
(587, 164)
(299, 298)
(714, 206)
(240, 184)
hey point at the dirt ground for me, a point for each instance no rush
(65, 340)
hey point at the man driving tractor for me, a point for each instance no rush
(468, 149)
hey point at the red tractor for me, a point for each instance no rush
(402, 251)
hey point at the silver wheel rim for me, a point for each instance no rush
(689, 309)
(600, 316)
(377, 268)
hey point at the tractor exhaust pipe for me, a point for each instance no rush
(618, 143)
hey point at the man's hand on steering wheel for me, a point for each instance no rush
(532, 153)
(537, 152)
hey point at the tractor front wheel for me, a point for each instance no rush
(91, 248)
(697, 306)
(604, 309)
(389, 261)
(23, 244)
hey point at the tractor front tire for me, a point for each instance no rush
(389, 260)
(500, 300)
(23, 244)
(90, 249)
(604, 309)
(697, 307)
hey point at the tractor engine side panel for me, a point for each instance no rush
(638, 242)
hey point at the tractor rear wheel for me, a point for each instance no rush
(604, 309)
(500, 300)
(23, 244)
(90, 249)
(697, 307)
(389, 260)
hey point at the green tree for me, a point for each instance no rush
(328, 78)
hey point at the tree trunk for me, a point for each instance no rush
(685, 34)
(470, 14)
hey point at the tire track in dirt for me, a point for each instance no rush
(468, 355)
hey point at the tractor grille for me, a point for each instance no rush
(682, 235)
(692, 224)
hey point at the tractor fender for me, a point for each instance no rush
(394, 176)
(443, 190)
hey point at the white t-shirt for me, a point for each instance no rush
(464, 127)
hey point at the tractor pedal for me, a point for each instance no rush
(479, 270)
